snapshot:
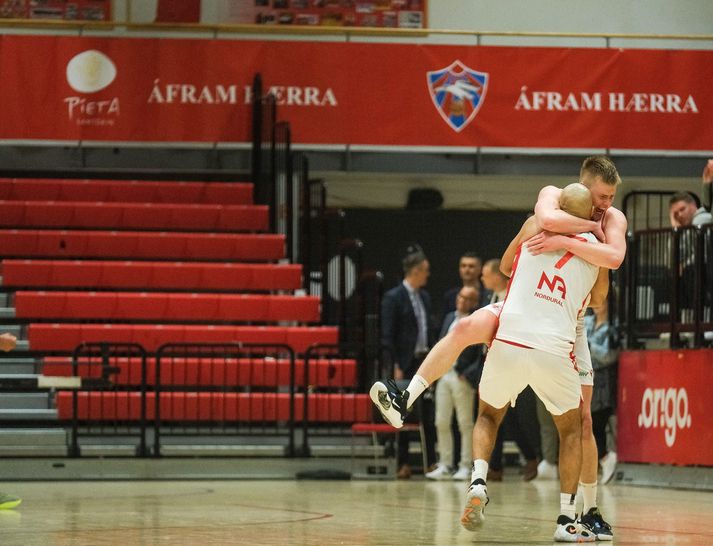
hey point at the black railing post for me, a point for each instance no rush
(74, 448)
(256, 157)
(157, 403)
(631, 291)
(305, 450)
(698, 289)
(675, 317)
(143, 448)
(291, 440)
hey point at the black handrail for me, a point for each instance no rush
(669, 289)
(106, 352)
(227, 351)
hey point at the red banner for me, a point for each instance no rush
(665, 407)
(371, 94)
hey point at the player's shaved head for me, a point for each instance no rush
(576, 199)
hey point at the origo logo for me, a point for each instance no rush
(90, 71)
(665, 408)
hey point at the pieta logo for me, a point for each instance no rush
(88, 73)
(458, 93)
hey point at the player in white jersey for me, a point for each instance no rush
(534, 346)
(598, 174)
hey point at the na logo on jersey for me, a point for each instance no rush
(458, 93)
(555, 283)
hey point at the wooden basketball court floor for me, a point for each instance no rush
(330, 512)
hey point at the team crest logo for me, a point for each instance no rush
(457, 92)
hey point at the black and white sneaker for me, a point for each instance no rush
(569, 530)
(476, 498)
(594, 522)
(392, 402)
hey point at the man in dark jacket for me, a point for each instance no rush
(407, 335)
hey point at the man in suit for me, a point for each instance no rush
(407, 334)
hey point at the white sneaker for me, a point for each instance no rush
(475, 500)
(547, 471)
(392, 402)
(462, 474)
(441, 472)
(570, 531)
(608, 463)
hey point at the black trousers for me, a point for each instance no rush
(520, 424)
(600, 419)
(424, 412)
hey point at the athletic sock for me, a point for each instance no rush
(567, 507)
(480, 470)
(415, 389)
(589, 495)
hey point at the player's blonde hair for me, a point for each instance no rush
(576, 199)
(599, 165)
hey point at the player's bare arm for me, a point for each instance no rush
(528, 229)
(609, 254)
(600, 290)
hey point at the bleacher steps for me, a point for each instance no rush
(23, 366)
(7, 313)
(28, 414)
(24, 400)
(45, 442)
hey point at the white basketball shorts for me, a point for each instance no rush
(510, 368)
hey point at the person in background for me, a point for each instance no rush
(470, 268)
(8, 343)
(407, 334)
(604, 353)
(455, 391)
(684, 209)
(519, 419)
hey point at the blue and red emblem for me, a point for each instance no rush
(458, 93)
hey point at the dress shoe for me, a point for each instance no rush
(529, 471)
(404, 472)
(494, 475)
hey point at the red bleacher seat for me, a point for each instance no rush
(12, 213)
(65, 337)
(131, 244)
(337, 373)
(94, 215)
(147, 275)
(141, 306)
(214, 406)
(50, 304)
(125, 275)
(79, 273)
(128, 191)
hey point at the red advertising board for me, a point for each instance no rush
(369, 94)
(665, 411)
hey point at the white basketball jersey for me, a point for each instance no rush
(547, 292)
